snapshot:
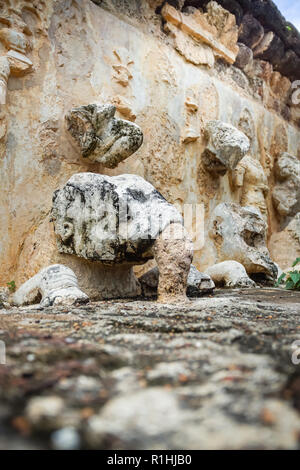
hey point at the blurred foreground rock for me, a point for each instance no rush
(214, 373)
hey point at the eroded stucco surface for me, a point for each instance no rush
(84, 53)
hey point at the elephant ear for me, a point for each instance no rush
(80, 125)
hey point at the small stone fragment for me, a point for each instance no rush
(230, 274)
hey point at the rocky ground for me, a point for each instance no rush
(216, 373)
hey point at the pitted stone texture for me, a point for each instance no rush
(110, 219)
(239, 234)
(198, 283)
(286, 193)
(230, 274)
(125, 417)
(226, 146)
(173, 252)
(216, 28)
(55, 285)
(101, 137)
(244, 57)
(251, 31)
(215, 373)
(149, 282)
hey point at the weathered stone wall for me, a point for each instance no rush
(84, 53)
(264, 29)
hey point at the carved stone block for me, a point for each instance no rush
(216, 28)
(54, 285)
(123, 220)
(286, 193)
(239, 234)
(250, 178)
(101, 136)
(230, 274)
(225, 147)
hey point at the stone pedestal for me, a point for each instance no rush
(100, 282)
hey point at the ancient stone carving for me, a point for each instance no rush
(123, 95)
(198, 283)
(225, 24)
(286, 193)
(246, 125)
(264, 29)
(225, 147)
(4, 74)
(289, 242)
(109, 219)
(230, 274)
(101, 137)
(192, 127)
(193, 51)
(249, 176)
(239, 234)
(216, 29)
(54, 285)
(122, 74)
(123, 220)
(244, 58)
(14, 36)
